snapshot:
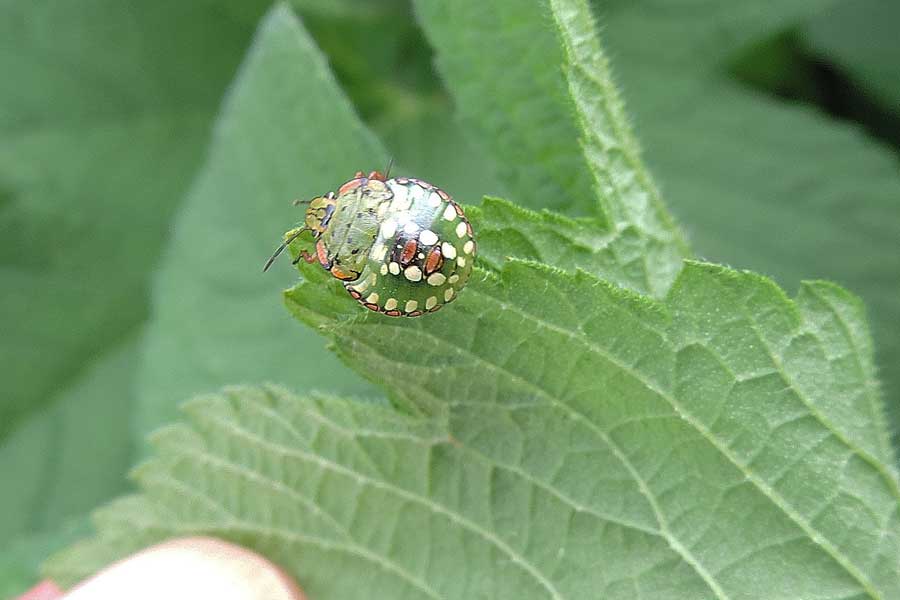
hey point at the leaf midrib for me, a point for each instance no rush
(664, 532)
(786, 378)
(835, 553)
(773, 496)
(362, 478)
(875, 406)
(347, 544)
(233, 523)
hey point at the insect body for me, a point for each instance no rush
(401, 246)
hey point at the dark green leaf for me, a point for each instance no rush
(536, 91)
(571, 438)
(861, 37)
(104, 114)
(760, 183)
(286, 132)
(569, 421)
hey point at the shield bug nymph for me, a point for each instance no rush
(401, 246)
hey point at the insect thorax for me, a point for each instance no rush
(319, 213)
(351, 227)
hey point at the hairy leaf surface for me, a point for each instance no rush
(537, 92)
(733, 163)
(558, 435)
(563, 420)
(759, 182)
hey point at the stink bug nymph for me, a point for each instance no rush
(401, 246)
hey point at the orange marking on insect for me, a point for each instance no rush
(393, 313)
(372, 307)
(376, 175)
(350, 185)
(322, 254)
(414, 313)
(435, 308)
(356, 295)
(359, 174)
(444, 195)
(434, 261)
(469, 228)
(343, 275)
(409, 251)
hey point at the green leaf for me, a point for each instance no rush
(569, 420)
(537, 92)
(386, 69)
(57, 469)
(103, 118)
(771, 186)
(565, 437)
(758, 182)
(860, 36)
(505, 231)
(286, 132)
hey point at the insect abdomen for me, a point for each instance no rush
(422, 253)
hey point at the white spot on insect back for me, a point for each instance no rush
(394, 268)
(411, 227)
(428, 237)
(413, 273)
(384, 269)
(449, 213)
(365, 283)
(431, 302)
(434, 200)
(390, 304)
(401, 200)
(411, 306)
(436, 279)
(378, 252)
(461, 229)
(389, 228)
(453, 278)
(461, 262)
(468, 247)
(448, 294)
(373, 298)
(417, 192)
(448, 250)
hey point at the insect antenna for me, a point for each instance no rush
(284, 245)
(387, 172)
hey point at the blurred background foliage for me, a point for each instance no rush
(772, 128)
